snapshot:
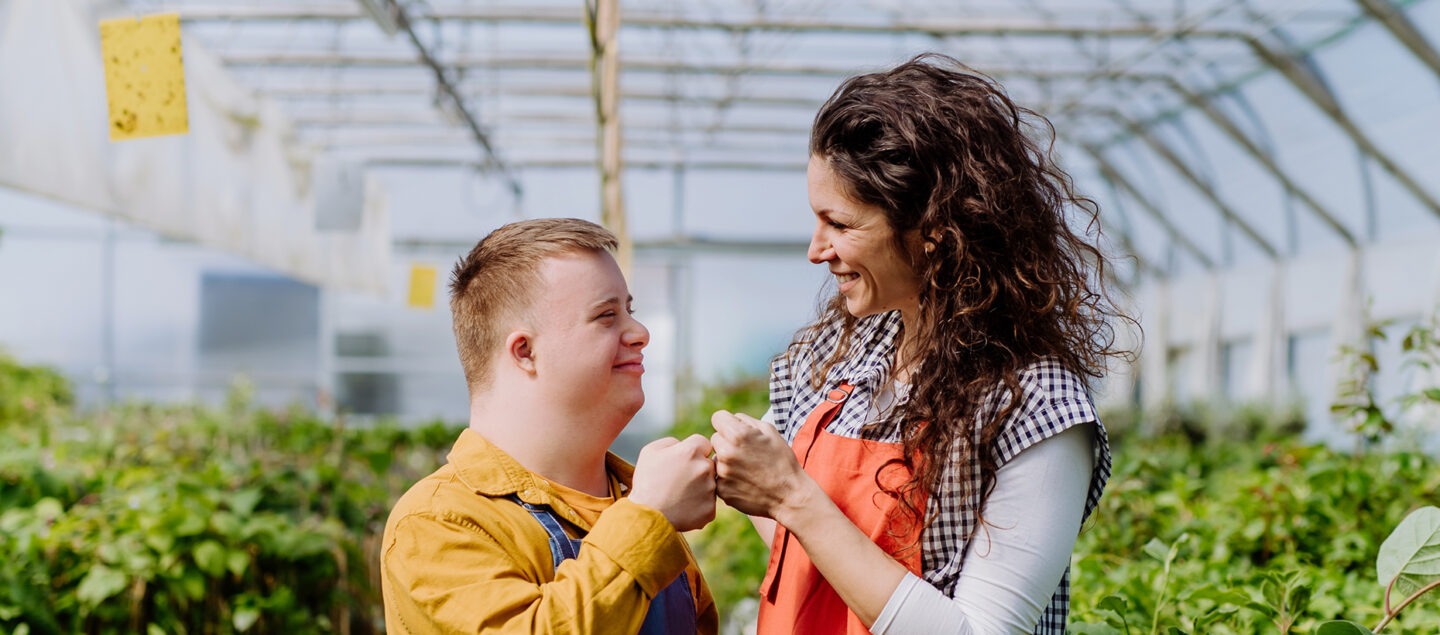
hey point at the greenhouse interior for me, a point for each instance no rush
(226, 343)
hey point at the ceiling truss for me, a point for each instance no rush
(1116, 53)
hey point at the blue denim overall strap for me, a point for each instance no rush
(672, 612)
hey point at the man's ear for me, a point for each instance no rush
(520, 350)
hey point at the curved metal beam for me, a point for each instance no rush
(398, 161)
(1226, 125)
(1205, 189)
(447, 89)
(1109, 172)
(1231, 129)
(318, 58)
(1314, 89)
(934, 27)
(1393, 19)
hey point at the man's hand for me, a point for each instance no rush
(677, 479)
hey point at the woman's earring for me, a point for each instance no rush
(929, 247)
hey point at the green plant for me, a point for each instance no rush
(750, 395)
(1410, 561)
(184, 519)
(1355, 402)
(1242, 529)
(1421, 348)
(31, 396)
(1279, 533)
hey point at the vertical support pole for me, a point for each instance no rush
(606, 63)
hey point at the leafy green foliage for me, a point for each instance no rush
(1214, 521)
(1281, 536)
(749, 396)
(1411, 555)
(31, 395)
(1409, 563)
(147, 519)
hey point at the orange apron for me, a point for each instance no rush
(794, 597)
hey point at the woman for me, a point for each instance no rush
(943, 448)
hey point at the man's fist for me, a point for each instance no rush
(677, 479)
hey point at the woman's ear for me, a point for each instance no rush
(520, 350)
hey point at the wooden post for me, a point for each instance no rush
(605, 64)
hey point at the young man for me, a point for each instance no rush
(532, 526)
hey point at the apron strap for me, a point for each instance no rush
(804, 441)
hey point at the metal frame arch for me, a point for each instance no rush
(1168, 155)
(1112, 175)
(1394, 20)
(1306, 79)
(1231, 129)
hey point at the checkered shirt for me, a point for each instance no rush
(1053, 399)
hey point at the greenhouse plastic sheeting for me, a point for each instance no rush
(236, 182)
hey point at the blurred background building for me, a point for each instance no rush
(1268, 173)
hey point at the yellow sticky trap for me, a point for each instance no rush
(144, 76)
(422, 286)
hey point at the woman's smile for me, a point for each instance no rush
(857, 244)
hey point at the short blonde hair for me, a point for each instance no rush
(495, 282)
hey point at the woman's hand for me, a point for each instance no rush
(756, 471)
(758, 475)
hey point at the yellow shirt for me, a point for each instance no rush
(458, 556)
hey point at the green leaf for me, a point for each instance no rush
(1115, 604)
(380, 460)
(192, 584)
(237, 562)
(1433, 394)
(226, 524)
(154, 629)
(1299, 599)
(1370, 361)
(210, 557)
(1217, 595)
(1342, 628)
(48, 509)
(160, 539)
(1375, 420)
(243, 502)
(100, 584)
(1157, 549)
(1094, 629)
(1411, 555)
(245, 617)
(1262, 608)
(191, 525)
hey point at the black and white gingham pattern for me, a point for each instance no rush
(1052, 399)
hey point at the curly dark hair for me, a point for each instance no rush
(1005, 279)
